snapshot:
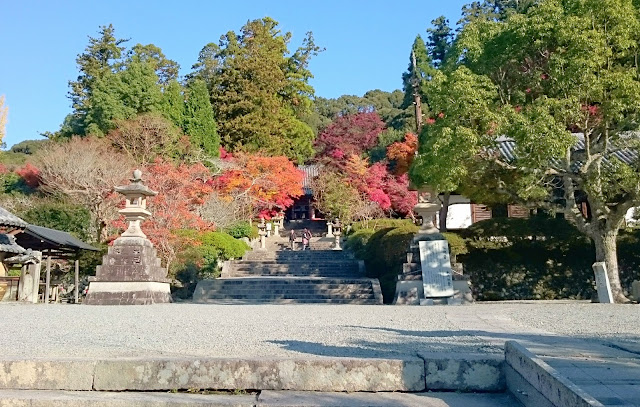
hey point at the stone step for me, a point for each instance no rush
(289, 288)
(249, 273)
(269, 282)
(336, 301)
(308, 288)
(444, 372)
(299, 298)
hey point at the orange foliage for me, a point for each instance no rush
(181, 190)
(270, 183)
(402, 153)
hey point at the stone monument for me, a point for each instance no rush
(602, 283)
(131, 273)
(427, 276)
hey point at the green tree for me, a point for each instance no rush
(166, 69)
(259, 91)
(561, 83)
(199, 123)
(173, 103)
(101, 58)
(419, 71)
(439, 40)
(115, 85)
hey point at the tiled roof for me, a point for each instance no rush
(310, 172)
(9, 219)
(57, 237)
(8, 244)
(507, 149)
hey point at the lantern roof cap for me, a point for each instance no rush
(136, 186)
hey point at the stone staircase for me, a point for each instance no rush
(291, 276)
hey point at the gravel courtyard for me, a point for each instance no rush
(237, 331)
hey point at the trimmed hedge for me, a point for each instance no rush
(357, 242)
(538, 258)
(378, 224)
(506, 258)
(200, 261)
(384, 253)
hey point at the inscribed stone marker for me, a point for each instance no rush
(602, 283)
(437, 276)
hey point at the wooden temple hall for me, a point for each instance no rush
(28, 247)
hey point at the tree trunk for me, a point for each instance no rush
(444, 212)
(416, 94)
(606, 251)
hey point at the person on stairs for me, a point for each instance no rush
(292, 239)
(306, 239)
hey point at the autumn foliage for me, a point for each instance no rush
(269, 183)
(401, 153)
(181, 190)
(349, 135)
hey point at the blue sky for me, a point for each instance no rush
(367, 43)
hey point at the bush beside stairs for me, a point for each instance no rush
(280, 275)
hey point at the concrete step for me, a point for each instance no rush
(57, 398)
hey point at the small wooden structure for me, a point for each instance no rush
(54, 245)
(25, 244)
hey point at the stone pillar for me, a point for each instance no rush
(329, 229)
(76, 280)
(262, 231)
(337, 245)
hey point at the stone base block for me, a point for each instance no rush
(127, 293)
(464, 372)
(409, 292)
(314, 374)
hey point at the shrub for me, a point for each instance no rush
(200, 259)
(357, 242)
(535, 258)
(377, 224)
(384, 255)
(457, 245)
(240, 229)
(74, 219)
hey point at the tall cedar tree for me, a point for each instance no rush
(115, 85)
(259, 91)
(199, 123)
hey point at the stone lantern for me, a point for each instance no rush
(427, 207)
(262, 231)
(329, 229)
(131, 272)
(278, 223)
(337, 232)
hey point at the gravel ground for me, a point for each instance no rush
(78, 331)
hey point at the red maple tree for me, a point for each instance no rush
(349, 135)
(181, 190)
